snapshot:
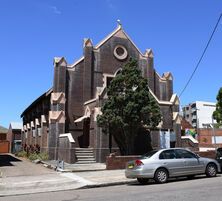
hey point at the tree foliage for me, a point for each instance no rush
(218, 112)
(129, 107)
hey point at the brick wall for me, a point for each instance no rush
(207, 154)
(187, 143)
(2, 136)
(205, 137)
(17, 136)
(118, 162)
(4, 146)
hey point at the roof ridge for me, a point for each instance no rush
(3, 129)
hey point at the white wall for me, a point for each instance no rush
(204, 112)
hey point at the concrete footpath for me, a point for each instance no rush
(72, 177)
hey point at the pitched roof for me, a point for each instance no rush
(185, 124)
(119, 28)
(16, 125)
(3, 129)
(47, 93)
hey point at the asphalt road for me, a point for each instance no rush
(201, 188)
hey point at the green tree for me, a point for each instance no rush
(217, 114)
(129, 107)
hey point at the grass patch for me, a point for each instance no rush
(33, 156)
(21, 154)
(41, 156)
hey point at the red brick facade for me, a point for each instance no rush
(14, 136)
(206, 135)
(79, 91)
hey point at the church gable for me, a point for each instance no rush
(114, 51)
(118, 33)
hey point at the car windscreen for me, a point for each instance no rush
(149, 154)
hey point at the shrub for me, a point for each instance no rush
(33, 156)
(41, 156)
(21, 154)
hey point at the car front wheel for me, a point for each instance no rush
(211, 170)
(161, 176)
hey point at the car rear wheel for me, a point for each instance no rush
(211, 170)
(142, 180)
(161, 176)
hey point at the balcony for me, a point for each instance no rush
(194, 117)
(194, 110)
(194, 124)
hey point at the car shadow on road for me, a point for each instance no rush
(6, 159)
(171, 180)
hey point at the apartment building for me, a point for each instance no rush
(199, 113)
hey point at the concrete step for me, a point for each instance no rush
(84, 149)
(79, 152)
(85, 155)
(84, 152)
(85, 162)
(86, 159)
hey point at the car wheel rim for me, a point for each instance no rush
(162, 176)
(211, 170)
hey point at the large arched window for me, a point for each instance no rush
(118, 72)
(107, 78)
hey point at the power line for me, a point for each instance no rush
(198, 63)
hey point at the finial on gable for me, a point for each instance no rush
(119, 23)
(87, 42)
(168, 76)
(59, 61)
(149, 53)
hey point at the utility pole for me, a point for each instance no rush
(197, 123)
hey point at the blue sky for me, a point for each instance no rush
(33, 32)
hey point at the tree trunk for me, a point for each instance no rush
(130, 142)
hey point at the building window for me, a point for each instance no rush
(39, 132)
(207, 105)
(108, 81)
(193, 105)
(33, 133)
(107, 78)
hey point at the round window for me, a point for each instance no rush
(120, 52)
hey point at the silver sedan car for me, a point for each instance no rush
(173, 162)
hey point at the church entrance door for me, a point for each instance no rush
(86, 130)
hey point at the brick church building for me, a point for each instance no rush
(63, 119)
